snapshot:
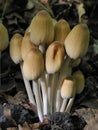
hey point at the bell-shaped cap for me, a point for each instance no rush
(33, 65)
(42, 29)
(62, 29)
(54, 57)
(80, 81)
(68, 88)
(15, 48)
(77, 41)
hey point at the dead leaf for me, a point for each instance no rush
(29, 106)
(92, 125)
(12, 128)
(88, 114)
(36, 126)
(20, 97)
(24, 127)
(7, 112)
(81, 10)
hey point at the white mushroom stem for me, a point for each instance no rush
(49, 82)
(36, 89)
(64, 72)
(43, 84)
(63, 106)
(53, 91)
(28, 87)
(42, 48)
(69, 105)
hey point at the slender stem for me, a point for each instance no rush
(69, 105)
(28, 88)
(53, 91)
(44, 94)
(64, 72)
(49, 82)
(58, 100)
(36, 89)
(63, 106)
(4, 9)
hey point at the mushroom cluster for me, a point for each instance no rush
(47, 53)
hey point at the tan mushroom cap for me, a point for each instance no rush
(68, 88)
(80, 81)
(33, 65)
(54, 57)
(26, 45)
(62, 29)
(42, 29)
(15, 48)
(77, 41)
(4, 38)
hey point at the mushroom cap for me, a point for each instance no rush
(54, 57)
(68, 88)
(80, 81)
(62, 29)
(33, 65)
(26, 45)
(77, 41)
(42, 29)
(15, 48)
(4, 38)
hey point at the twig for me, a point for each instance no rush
(48, 9)
(4, 9)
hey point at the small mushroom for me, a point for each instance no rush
(80, 81)
(15, 54)
(62, 29)
(54, 59)
(79, 86)
(67, 92)
(33, 67)
(42, 29)
(4, 37)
